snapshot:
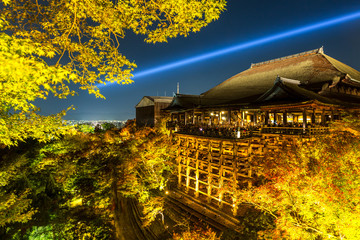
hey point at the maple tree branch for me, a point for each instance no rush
(72, 26)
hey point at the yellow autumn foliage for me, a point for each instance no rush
(50, 47)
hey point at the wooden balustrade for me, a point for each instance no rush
(295, 130)
(240, 133)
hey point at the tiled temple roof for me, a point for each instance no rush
(312, 69)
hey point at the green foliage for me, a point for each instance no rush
(85, 128)
(77, 226)
(252, 221)
(15, 207)
(37, 194)
(196, 233)
(53, 44)
(107, 126)
(127, 163)
(41, 232)
(71, 188)
(22, 80)
(15, 199)
(82, 223)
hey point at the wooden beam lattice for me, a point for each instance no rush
(209, 169)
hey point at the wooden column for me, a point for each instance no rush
(179, 175)
(220, 176)
(266, 117)
(179, 163)
(237, 121)
(187, 179)
(229, 116)
(235, 169)
(323, 117)
(250, 175)
(202, 116)
(313, 120)
(284, 117)
(275, 117)
(242, 118)
(304, 120)
(209, 189)
(197, 176)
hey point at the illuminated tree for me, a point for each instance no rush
(311, 190)
(139, 160)
(350, 123)
(15, 204)
(115, 170)
(51, 46)
(84, 185)
(29, 195)
(196, 233)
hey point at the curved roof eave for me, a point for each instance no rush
(345, 69)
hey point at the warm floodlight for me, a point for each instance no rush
(249, 44)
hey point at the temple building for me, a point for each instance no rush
(304, 90)
(148, 110)
(252, 113)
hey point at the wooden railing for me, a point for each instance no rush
(318, 130)
(295, 130)
(234, 132)
(220, 132)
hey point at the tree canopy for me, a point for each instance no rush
(310, 190)
(84, 185)
(51, 46)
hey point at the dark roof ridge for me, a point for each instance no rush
(155, 97)
(314, 51)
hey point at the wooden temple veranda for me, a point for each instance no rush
(255, 112)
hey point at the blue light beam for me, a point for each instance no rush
(249, 44)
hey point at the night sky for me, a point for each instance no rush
(243, 21)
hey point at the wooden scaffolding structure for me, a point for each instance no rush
(211, 169)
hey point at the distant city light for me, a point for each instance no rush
(94, 123)
(246, 45)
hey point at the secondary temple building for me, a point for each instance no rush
(252, 113)
(148, 110)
